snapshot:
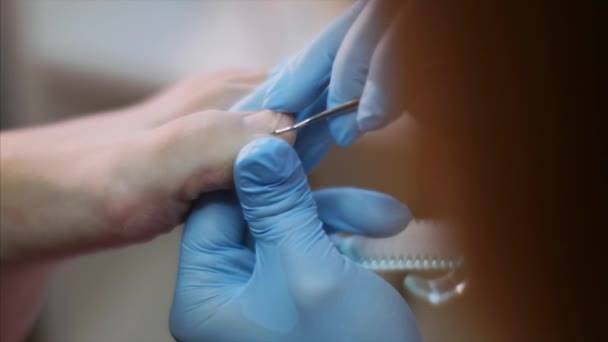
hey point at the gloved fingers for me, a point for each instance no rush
(361, 212)
(313, 141)
(292, 248)
(304, 78)
(213, 240)
(213, 263)
(350, 69)
(275, 197)
(383, 98)
(312, 144)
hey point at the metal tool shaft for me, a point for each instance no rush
(341, 109)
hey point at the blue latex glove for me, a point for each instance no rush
(365, 68)
(295, 286)
(299, 85)
(313, 141)
(353, 58)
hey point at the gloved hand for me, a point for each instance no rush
(355, 57)
(295, 285)
(299, 85)
(368, 66)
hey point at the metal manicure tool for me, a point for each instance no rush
(341, 109)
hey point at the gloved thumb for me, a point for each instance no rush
(275, 197)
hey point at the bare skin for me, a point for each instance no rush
(123, 176)
(115, 178)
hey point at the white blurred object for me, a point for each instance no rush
(82, 56)
(434, 264)
(422, 246)
(157, 41)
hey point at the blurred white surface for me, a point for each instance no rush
(158, 41)
(78, 55)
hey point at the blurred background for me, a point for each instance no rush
(61, 59)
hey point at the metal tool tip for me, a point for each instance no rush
(283, 130)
